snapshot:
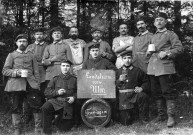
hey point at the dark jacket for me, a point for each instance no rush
(67, 82)
(135, 77)
(99, 63)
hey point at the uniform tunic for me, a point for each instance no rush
(168, 41)
(119, 41)
(21, 60)
(56, 50)
(38, 50)
(67, 82)
(104, 47)
(140, 46)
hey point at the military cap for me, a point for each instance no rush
(140, 18)
(66, 61)
(161, 14)
(39, 29)
(126, 54)
(94, 45)
(96, 29)
(21, 36)
(58, 28)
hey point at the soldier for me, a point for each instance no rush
(54, 54)
(76, 49)
(133, 86)
(22, 69)
(122, 44)
(141, 42)
(161, 68)
(104, 48)
(61, 93)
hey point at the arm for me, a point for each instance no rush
(86, 53)
(73, 88)
(50, 91)
(176, 44)
(84, 65)
(46, 57)
(36, 69)
(143, 81)
(109, 53)
(8, 67)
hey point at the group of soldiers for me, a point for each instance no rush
(52, 69)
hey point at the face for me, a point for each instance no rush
(141, 26)
(97, 35)
(123, 29)
(73, 33)
(94, 52)
(65, 68)
(39, 36)
(160, 22)
(127, 60)
(22, 44)
(57, 35)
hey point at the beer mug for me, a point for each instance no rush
(24, 73)
(151, 48)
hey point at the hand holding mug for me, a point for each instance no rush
(61, 91)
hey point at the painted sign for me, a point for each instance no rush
(96, 84)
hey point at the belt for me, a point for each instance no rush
(141, 53)
(126, 90)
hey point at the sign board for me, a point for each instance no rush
(96, 84)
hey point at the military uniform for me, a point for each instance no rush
(161, 70)
(140, 46)
(58, 103)
(126, 95)
(56, 51)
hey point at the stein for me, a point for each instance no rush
(24, 73)
(151, 48)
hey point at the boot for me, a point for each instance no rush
(37, 119)
(171, 113)
(160, 109)
(16, 120)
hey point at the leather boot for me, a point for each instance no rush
(171, 113)
(16, 120)
(37, 119)
(160, 109)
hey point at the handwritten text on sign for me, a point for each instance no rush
(96, 84)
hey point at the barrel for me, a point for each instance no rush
(96, 113)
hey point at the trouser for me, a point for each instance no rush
(28, 113)
(142, 102)
(48, 113)
(161, 87)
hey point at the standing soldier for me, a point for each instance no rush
(122, 44)
(23, 84)
(141, 42)
(54, 54)
(161, 68)
(37, 48)
(75, 51)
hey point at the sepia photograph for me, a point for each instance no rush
(96, 67)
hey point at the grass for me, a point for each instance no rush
(184, 125)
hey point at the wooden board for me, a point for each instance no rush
(96, 84)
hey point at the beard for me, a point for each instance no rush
(22, 48)
(74, 36)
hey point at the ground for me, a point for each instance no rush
(184, 124)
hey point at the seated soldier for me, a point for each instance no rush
(96, 61)
(61, 93)
(133, 86)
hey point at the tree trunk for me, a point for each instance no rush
(132, 27)
(54, 13)
(177, 22)
(20, 21)
(78, 13)
(43, 14)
